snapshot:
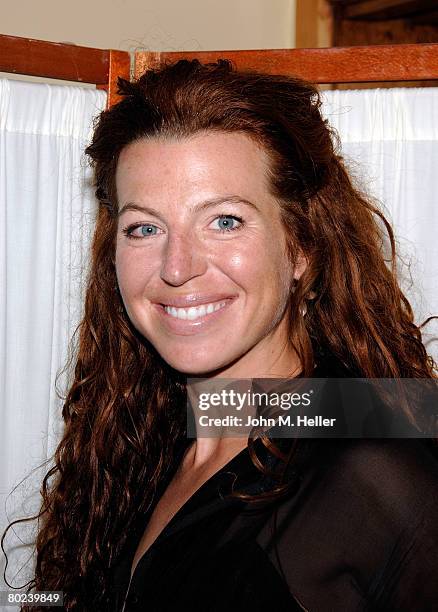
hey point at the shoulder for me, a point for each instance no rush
(367, 509)
(385, 482)
(391, 489)
(398, 477)
(396, 457)
(360, 498)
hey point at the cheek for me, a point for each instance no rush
(134, 268)
(258, 265)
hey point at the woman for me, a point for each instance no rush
(231, 243)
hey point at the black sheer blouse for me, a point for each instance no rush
(356, 531)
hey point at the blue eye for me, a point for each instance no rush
(147, 229)
(227, 223)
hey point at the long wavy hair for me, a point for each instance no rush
(124, 412)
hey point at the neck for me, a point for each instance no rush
(281, 362)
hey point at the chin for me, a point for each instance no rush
(196, 368)
(195, 365)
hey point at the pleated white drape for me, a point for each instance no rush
(46, 216)
(390, 140)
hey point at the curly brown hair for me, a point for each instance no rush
(125, 409)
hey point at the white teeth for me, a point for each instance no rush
(194, 312)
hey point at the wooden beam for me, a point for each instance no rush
(329, 65)
(67, 62)
(53, 60)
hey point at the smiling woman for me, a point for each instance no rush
(196, 257)
(230, 242)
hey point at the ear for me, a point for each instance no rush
(300, 266)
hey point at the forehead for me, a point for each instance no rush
(207, 162)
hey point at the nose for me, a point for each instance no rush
(183, 259)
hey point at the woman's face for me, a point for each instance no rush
(201, 254)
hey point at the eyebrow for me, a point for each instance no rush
(233, 199)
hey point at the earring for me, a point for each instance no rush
(303, 308)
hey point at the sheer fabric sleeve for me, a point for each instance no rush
(364, 528)
(405, 493)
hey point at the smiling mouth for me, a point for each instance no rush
(194, 312)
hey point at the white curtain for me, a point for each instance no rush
(390, 142)
(47, 209)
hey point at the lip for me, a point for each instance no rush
(193, 299)
(185, 327)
